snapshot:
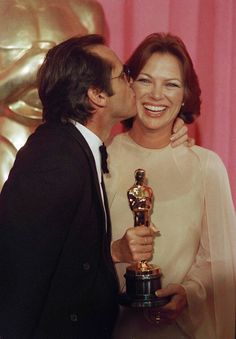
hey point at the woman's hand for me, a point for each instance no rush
(170, 312)
(136, 244)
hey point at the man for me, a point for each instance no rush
(28, 29)
(57, 278)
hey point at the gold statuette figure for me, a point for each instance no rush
(140, 199)
(142, 278)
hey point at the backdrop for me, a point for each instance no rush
(208, 28)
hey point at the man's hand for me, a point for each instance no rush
(180, 134)
(135, 245)
(170, 312)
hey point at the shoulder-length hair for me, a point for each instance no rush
(168, 43)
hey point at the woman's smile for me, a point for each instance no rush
(154, 110)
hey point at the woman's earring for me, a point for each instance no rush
(182, 104)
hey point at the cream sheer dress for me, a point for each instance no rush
(194, 212)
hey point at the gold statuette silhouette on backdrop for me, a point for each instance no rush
(28, 28)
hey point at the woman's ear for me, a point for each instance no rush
(97, 97)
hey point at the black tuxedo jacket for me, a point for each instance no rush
(57, 279)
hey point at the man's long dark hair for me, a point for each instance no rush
(67, 73)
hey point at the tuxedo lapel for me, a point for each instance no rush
(107, 211)
(107, 239)
(70, 128)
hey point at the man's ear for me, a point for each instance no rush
(97, 97)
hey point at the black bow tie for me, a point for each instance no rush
(104, 156)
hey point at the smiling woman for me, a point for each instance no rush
(159, 92)
(192, 208)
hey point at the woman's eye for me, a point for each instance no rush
(144, 80)
(172, 84)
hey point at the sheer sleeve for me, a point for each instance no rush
(221, 220)
(210, 283)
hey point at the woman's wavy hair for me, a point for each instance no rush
(168, 43)
(68, 71)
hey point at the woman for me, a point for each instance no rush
(193, 207)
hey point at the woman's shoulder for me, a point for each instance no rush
(211, 162)
(116, 142)
(206, 154)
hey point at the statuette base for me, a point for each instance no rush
(142, 280)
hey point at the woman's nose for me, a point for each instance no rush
(130, 81)
(156, 91)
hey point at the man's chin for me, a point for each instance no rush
(130, 116)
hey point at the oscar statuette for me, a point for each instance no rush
(142, 278)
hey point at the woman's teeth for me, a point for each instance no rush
(155, 109)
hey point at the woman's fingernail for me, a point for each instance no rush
(154, 228)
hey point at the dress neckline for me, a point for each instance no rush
(140, 147)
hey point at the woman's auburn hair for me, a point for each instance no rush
(167, 43)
